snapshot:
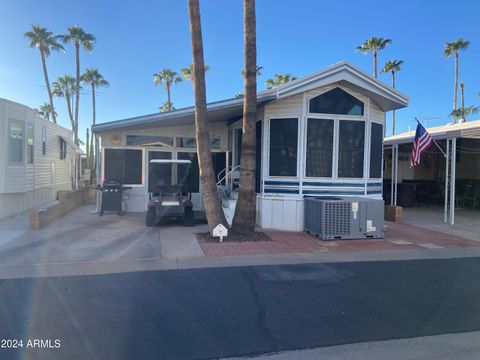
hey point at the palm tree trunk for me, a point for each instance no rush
(213, 208)
(47, 83)
(92, 157)
(375, 63)
(463, 102)
(393, 112)
(244, 219)
(70, 115)
(455, 90)
(77, 89)
(168, 96)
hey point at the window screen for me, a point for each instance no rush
(63, 149)
(351, 149)
(376, 150)
(159, 174)
(283, 147)
(44, 140)
(124, 165)
(319, 148)
(192, 176)
(16, 141)
(336, 101)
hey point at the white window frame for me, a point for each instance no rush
(336, 133)
(267, 152)
(23, 147)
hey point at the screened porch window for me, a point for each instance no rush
(124, 165)
(319, 148)
(283, 147)
(351, 147)
(376, 151)
(336, 101)
(159, 174)
(192, 178)
(16, 141)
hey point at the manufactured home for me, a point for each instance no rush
(318, 135)
(37, 159)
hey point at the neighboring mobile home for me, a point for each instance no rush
(37, 159)
(317, 135)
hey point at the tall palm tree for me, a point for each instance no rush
(462, 88)
(213, 208)
(374, 45)
(279, 79)
(166, 106)
(187, 72)
(44, 41)
(65, 87)
(45, 111)
(91, 77)
(244, 219)
(392, 67)
(77, 36)
(453, 48)
(168, 77)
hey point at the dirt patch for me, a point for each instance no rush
(205, 237)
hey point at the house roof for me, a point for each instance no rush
(226, 110)
(470, 129)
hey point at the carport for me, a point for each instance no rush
(448, 176)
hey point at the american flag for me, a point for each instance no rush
(422, 142)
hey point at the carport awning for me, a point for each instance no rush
(469, 130)
(76, 148)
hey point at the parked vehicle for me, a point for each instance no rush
(171, 200)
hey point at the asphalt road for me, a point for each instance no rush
(223, 312)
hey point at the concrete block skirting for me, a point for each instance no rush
(393, 213)
(67, 201)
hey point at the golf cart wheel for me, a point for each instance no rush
(151, 220)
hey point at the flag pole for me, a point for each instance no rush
(438, 146)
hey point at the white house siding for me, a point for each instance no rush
(138, 195)
(280, 205)
(24, 186)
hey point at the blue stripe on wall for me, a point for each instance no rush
(332, 184)
(333, 192)
(273, 182)
(282, 191)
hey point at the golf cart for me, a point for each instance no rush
(171, 201)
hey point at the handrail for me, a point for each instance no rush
(227, 173)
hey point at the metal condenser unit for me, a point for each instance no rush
(335, 217)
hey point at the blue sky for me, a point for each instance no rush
(137, 38)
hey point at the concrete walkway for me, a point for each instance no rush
(13, 227)
(467, 221)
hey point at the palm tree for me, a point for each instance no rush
(465, 112)
(213, 208)
(168, 77)
(78, 37)
(374, 45)
(65, 87)
(453, 48)
(279, 79)
(44, 41)
(166, 106)
(392, 67)
(244, 219)
(187, 72)
(95, 80)
(45, 111)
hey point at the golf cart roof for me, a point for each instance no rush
(170, 161)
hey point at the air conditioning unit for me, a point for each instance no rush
(335, 217)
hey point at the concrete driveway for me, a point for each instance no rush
(82, 236)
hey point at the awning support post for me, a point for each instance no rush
(97, 171)
(393, 190)
(450, 179)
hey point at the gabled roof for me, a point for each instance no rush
(470, 129)
(343, 72)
